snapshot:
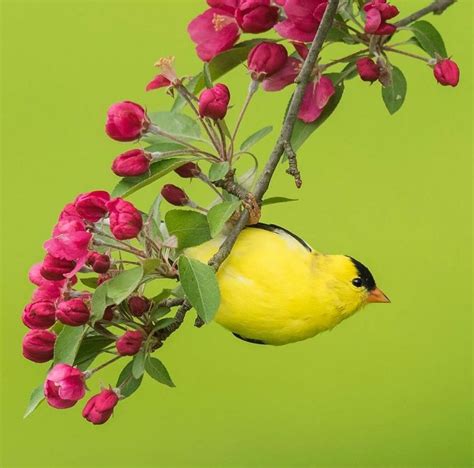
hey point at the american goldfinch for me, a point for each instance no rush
(275, 289)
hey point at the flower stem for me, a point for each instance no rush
(105, 364)
(408, 54)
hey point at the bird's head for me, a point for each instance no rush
(351, 281)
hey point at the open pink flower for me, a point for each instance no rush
(69, 246)
(303, 19)
(100, 407)
(315, 99)
(64, 386)
(214, 31)
(49, 291)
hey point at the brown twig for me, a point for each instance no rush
(229, 184)
(437, 7)
(293, 164)
(285, 134)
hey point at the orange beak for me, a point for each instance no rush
(376, 295)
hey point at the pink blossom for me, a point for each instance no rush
(100, 263)
(174, 195)
(48, 291)
(57, 269)
(68, 212)
(159, 81)
(129, 343)
(64, 386)
(138, 305)
(188, 170)
(284, 77)
(72, 246)
(214, 31)
(266, 59)
(132, 163)
(213, 102)
(376, 14)
(38, 345)
(316, 96)
(100, 407)
(368, 70)
(126, 121)
(446, 72)
(39, 315)
(303, 19)
(125, 220)
(73, 312)
(256, 16)
(91, 205)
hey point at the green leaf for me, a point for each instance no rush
(164, 294)
(99, 302)
(228, 60)
(255, 137)
(207, 76)
(156, 369)
(190, 227)
(138, 364)
(163, 323)
(158, 312)
(90, 281)
(429, 38)
(37, 396)
(122, 285)
(200, 286)
(91, 347)
(219, 214)
(218, 170)
(302, 131)
(129, 185)
(179, 125)
(274, 200)
(150, 265)
(67, 344)
(394, 95)
(127, 383)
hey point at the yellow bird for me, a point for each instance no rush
(275, 289)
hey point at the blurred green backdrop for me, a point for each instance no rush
(390, 387)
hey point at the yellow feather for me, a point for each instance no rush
(274, 290)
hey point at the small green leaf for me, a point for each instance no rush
(90, 281)
(255, 138)
(218, 170)
(158, 312)
(219, 214)
(91, 346)
(200, 286)
(164, 294)
(163, 323)
(138, 364)
(179, 125)
(122, 285)
(207, 76)
(37, 396)
(394, 95)
(129, 185)
(274, 200)
(302, 131)
(429, 38)
(67, 344)
(126, 382)
(189, 227)
(156, 369)
(99, 302)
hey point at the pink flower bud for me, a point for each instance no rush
(39, 315)
(74, 312)
(256, 16)
(100, 263)
(138, 305)
(265, 59)
(376, 14)
(49, 291)
(446, 72)
(131, 163)
(64, 386)
(55, 268)
(100, 407)
(125, 220)
(130, 343)
(126, 121)
(69, 212)
(38, 345)
(108, 313)
(213, 102)
(174, 195)
(368, 69)
(188, 170)
(91, 205)
(159, 81)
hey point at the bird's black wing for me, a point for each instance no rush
(279, 230)
(248, 340)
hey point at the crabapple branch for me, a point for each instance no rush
(437, 7)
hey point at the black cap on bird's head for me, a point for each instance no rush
(365, 279)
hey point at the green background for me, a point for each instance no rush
(390, 387)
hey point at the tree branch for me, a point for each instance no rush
(286, 131)
(437, 7)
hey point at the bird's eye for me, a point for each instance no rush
(357, 282)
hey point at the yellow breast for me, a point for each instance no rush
(270, 289)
